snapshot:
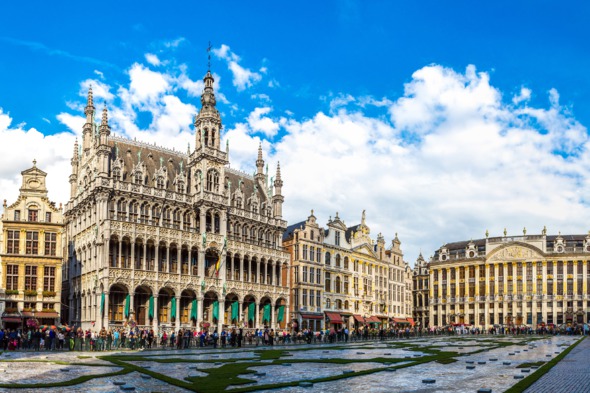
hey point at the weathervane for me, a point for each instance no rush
(209, 56)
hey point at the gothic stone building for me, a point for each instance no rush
(31, 254)
(527, 280)
(420, 292)
(164, 239)
(343, 278)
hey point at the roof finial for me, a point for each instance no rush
(105, 116)
(209, 56)
(34, 163)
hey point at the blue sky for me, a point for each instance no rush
(442, 119)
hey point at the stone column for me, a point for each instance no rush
(242, 268)
(155, 321)
(544, 294)
(257, 271)
(105, 318)
(167, 267)
(144, 259)
(120, 253)
(271, 323)
(178, 259)
(157, 257)
(177, 322)
(257, 316)
(221, 320)
(132, 245)
(131, 306)
(200, 311)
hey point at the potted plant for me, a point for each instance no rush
(11, 292)
(48, 293)
(30, 292)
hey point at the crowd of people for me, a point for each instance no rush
(135, 338)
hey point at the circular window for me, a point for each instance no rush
(559, 248)
(471, 254)
(443, 257)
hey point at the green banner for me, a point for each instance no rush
(216, 310)
(173, 306)
(266, 313)
(281, 315)
(235, 311)
(251, 312)
(194, 310)
(127, 305)
(102, 303)
(151, 308)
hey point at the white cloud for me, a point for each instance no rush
(452, 160)
(100, 90)
(99, 73)
(258, 122)
(242, 77)
(21, 146)
(523, 96)
(174, 43)
(152, 59)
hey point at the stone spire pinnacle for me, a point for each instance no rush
(76, 149)
(89, 110)
(105, 117)
(278, 176)
(259, 161)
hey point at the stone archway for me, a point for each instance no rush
(119, 307)
(143, 305)
(210, 310)
(265, 312)
(280, 310)
(249, 311)
(188, 308)
(232, 310)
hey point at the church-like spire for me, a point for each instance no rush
(259, 161)
(105, 117)
(75, 155)
(89, 110)
(278, 181)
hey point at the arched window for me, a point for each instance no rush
(206, 137)
(328, 304)
(337, 260)
(346, 304)
(346, 262)
(338, 304)
(117, 173)
(328, 282)
(328, 258)
(121, 209)
(338, 284)
(213, 180)
(198, 180)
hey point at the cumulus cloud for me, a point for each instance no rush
(452, 158)
(20, 146)
(448, 159)
(242, 77)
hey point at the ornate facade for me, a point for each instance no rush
(511, 280)
(31, 255)
(342, 278)
(167, 239)
(420, 292)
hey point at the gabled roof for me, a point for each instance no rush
(291, 229)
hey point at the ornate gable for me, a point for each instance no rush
(516, 252)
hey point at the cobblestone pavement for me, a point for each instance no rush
(571, 374)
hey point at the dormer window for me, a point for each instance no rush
(180, 187)
(160, 182)
(255, 208)
(33, 215)
(117, 173)
(138, 178)
(239, 203)
(337, 238)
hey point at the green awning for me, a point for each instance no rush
(266, 313)
(216, 310)
(173, 306)
(151, 308)
(235, 311)
(281, 314)
(102, 296)
(127, 305)
(251, 312)
(194, 310)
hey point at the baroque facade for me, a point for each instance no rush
(165, 239)
(343, 278)
(511, 281)
(31, 254)
(420, 292)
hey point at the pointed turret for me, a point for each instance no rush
(74, 174)
(104, 150)
(277, 198)
(87, 129)
(259, 162)
(208, 121)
